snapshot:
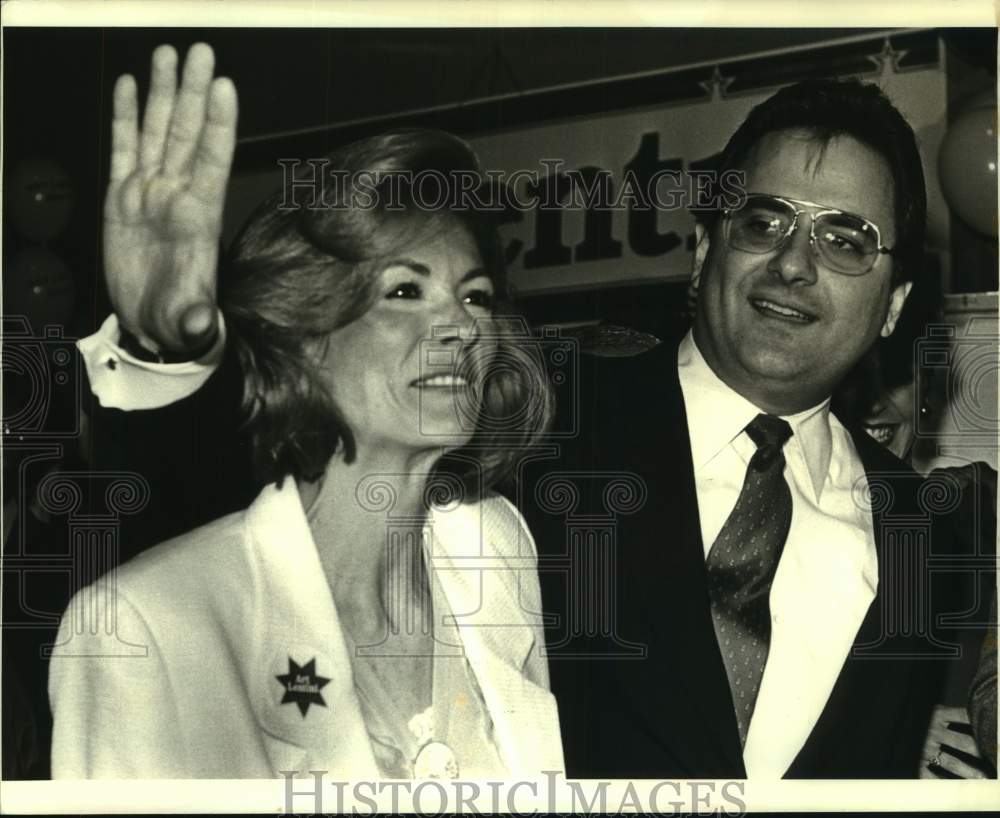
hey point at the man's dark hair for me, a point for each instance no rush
(828, 108)
(824, 109)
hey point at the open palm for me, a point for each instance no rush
(164, 205)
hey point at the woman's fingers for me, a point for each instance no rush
(188, 119)
(159, 107)
(949, 750)
(950, 725)
(214, 157)
(960, 741)
(952, 764)
(124, 129)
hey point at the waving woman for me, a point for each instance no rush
(374, 612)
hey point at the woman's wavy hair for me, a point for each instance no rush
(305, 264)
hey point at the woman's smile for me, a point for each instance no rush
(447, 381)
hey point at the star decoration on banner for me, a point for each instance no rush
(887, 60)
(302, 685)
(716, 85)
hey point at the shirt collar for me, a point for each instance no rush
(717, 415)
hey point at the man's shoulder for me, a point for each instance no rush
(629, 383)
(616, 410)
(654, 360)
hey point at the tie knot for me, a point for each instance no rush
(769, 433)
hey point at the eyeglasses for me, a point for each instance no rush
(843, 242)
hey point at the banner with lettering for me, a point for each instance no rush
(601, 174)
(583, 186)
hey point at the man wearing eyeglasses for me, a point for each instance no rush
(778, 599)
(767, 618)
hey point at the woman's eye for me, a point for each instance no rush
(480, 298)
(407, 289)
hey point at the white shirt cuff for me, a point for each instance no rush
(122, 381)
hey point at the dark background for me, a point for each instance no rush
(340, 84)
(57, 93)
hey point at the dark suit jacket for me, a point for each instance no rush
(667, 712)
(193, 454)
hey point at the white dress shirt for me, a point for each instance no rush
(828, 572)
(122, 381)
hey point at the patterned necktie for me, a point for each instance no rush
(742, 562)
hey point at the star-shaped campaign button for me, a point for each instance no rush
(302, 685)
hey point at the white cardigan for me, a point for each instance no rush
(178, 679)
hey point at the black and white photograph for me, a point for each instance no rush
(410, 410)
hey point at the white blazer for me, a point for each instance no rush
(167, 667)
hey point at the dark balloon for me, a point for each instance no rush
(39, 199)
(967, 165)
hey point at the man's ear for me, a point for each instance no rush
(897, 298)
(700, 252)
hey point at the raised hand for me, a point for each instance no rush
(163, 211)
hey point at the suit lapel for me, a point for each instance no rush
(871, 627)
(688, 700)
(294, 624)
(298, 636)
(862, 679)
(480, 590)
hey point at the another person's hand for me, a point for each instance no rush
(163, 211)
(950, 751)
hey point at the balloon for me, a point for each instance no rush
(967, 165)
(39, 285)
(39, 198)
